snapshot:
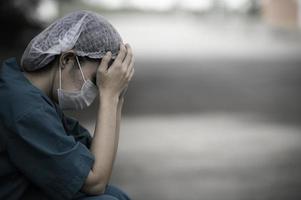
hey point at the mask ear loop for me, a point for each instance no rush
(80, 68)
(60, 74)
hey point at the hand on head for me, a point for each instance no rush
(113, 80)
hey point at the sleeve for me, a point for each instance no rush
(75, 129)
(53, 161)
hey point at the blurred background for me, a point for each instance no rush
(213, 111)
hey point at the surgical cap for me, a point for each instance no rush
(87, 33)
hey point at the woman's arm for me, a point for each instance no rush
(118, 122)
(104, 145)
(116, 140)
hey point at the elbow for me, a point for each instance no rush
(94, 185)
(98, 189)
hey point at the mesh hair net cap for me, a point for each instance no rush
(87, 33)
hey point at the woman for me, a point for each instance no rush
(45, 154)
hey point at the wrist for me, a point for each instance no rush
(108, 97)
(107, 94)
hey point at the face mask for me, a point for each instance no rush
(77, 100)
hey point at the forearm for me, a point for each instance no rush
(104, 140)
(118, 122)
(117, 131)
(104, 145)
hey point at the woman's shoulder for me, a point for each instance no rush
(15, 102)
(17, 95)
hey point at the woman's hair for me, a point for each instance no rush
(87, 33)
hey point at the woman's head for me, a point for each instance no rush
(87, 33)
(72, 47)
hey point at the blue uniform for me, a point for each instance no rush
(43, 153)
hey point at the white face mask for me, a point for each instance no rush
(76, 100)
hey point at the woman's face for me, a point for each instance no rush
(71, 77)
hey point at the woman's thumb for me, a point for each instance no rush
(105, 61)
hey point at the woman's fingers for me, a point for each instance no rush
(105, 61)
(130, 65)
(117, 77)
(121, 55)
(131, 74)
(130, 71)
(129, 55)
(102, 69)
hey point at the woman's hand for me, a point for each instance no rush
(112, 81)
(122, 94)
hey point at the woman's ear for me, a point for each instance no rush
(67, 58)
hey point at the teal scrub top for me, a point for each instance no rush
(43, 153)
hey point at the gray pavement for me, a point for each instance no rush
(218, 156)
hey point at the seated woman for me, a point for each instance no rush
(43, 153)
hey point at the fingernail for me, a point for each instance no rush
(109, 53)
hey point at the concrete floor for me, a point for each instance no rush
(218, 156)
